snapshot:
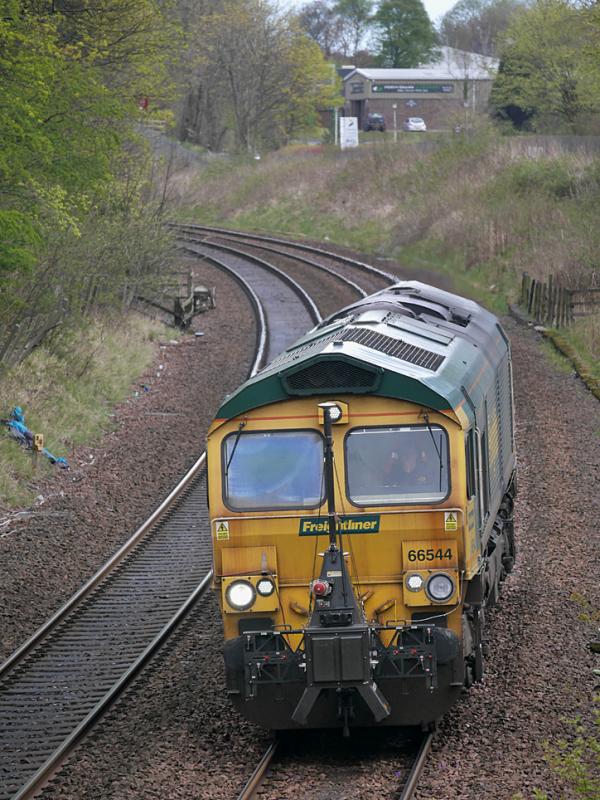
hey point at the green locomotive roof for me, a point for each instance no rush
(409, 341)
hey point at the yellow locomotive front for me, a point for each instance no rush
(399, 494)
(360, 495)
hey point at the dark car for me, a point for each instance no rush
(375, 122)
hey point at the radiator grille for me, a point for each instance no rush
(331, 375)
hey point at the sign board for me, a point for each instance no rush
(411, 103)
(319, 526)
(348, 132)
(357, 88)
(412, 88)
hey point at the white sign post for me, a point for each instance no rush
(348, 132)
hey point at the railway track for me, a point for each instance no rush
(57, 685)
(365, 277)
(340, 771)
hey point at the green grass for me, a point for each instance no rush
(67, 394)
(560, 362)
(584, 336)
(490, 285)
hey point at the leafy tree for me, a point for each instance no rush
(357, 14)
(540, 77)
(70, 74)
(259, 77)
(475, 25)
(405, 35)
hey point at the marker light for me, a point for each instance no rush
(265, 587)
(335, 413)
(320, 588)
(414, 583)
(439, 587)
(240, 595)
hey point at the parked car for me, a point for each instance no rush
(414, 124)
(375, 122)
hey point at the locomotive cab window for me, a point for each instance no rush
(397, 465)
(272, 470)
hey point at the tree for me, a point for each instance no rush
(405, 36)
(475, 25)
(259, 77)
(326, 27)
(541, 76)
(70, 74)
(357, 14)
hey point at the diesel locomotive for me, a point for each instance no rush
(361, 492)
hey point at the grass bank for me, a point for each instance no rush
(483, 209)
(67, 393)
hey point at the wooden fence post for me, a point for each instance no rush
(530, 298)
(524, 290)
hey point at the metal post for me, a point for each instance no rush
(329, 477)
(395, 107)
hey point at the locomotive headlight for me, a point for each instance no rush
(265, 587)
(439, 587)
(335, 413)
(240, 595)
(414, 582)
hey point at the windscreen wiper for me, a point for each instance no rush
(438, 451)
(235, 444)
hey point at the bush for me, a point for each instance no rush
(550, 177)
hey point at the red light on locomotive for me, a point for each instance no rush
(320, 588)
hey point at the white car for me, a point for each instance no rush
(414, 124)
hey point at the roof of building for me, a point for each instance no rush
(452, 64)
(409, 341)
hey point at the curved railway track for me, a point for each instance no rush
(367, 278)
(263, 781)
(56, 686)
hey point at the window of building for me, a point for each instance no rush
(272, 470)
(397, 465)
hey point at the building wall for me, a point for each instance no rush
(439, 110)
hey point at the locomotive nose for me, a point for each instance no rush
(337, 646)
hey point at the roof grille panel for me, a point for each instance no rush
(303, 350)
(397, 348)
(331, 375)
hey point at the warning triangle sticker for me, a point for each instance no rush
(450, 521)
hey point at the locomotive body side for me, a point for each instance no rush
(423, 481)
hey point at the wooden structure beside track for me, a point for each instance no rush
(189, 301)
(554, 305)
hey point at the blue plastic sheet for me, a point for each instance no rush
(19, 431)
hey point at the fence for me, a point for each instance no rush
(557, 306)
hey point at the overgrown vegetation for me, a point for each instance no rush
(67, 393)
(73, 235)
(549, 76)
(483, 209)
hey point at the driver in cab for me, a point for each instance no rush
(408, 470)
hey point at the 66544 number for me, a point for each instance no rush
(430, 554)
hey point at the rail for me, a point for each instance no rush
(255, 781)
(417, 768)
